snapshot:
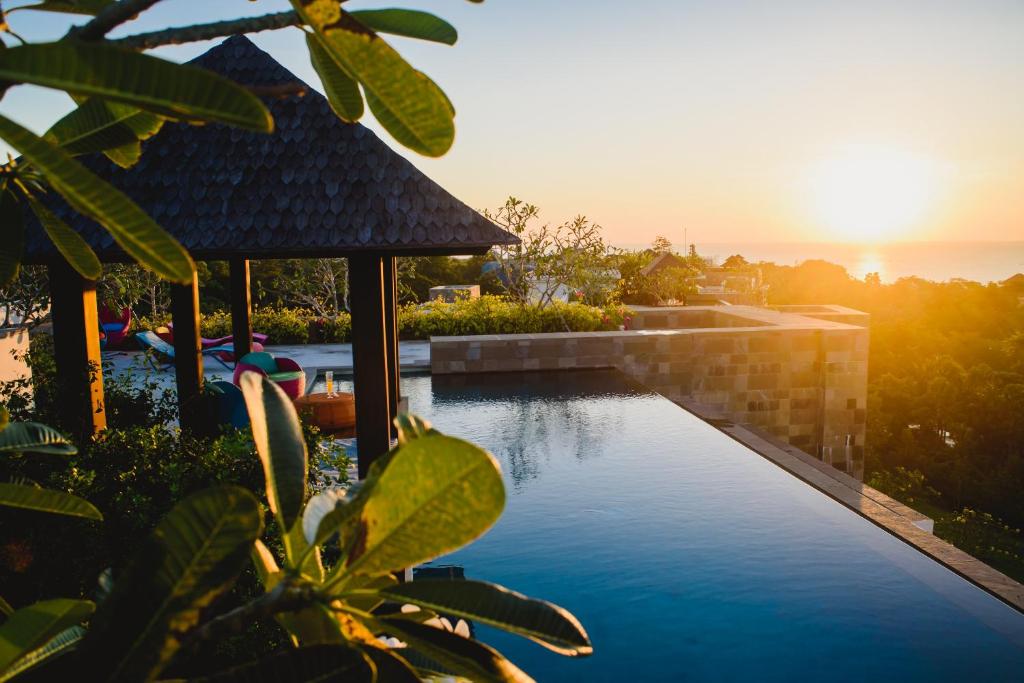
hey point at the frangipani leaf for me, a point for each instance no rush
(409, 23)
(302, 665)
(75, 250)
(389, 665)
(194, 554)
(29, 497)
(487, 603)
(60, 644)
(412, 427)
(407, 103)
(437, 493)
(12, 237)
(116, 74)
(462, 656)
(282, 450)
(33, 437)
(31, 627)
(342, 92)
(109, 127)
(131, 228)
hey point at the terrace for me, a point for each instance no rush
(690, 487)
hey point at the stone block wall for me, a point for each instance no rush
(800, 379)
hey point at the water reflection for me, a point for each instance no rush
(538, 426)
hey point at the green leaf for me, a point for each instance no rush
(436, 494)
(463, 656)
(60, 644)
(412, 427)
(108, 127)
(389, 665)
(282, 450)
(327, 512)
(301, 665)
(487, 603)
(28, 497)
(179, 91)
(12, 232)
(194, 554)
(342, 92)
(397, 125)
(407, 103)
(131, 228)
(409, 23)
(69, 243)
(33, 437)
(31, 627)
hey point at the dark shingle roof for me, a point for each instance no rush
(315, 187)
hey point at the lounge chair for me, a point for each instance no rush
(167, 334)
(284, 372)
(258, 339)
(114, 326)
(165, 352)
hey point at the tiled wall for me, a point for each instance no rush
(800, 379)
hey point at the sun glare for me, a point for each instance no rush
(871, 194)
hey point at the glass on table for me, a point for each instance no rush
(329, 381)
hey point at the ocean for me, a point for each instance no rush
(940, 261)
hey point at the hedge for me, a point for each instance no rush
(485, 315)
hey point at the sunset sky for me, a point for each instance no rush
(741, 121)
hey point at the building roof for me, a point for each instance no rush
(663, 261)
(316, 186)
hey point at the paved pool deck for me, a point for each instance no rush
(412, 355)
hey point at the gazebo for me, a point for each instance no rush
(316, 187)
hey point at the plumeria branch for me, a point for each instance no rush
(218, 29)
(109, 18)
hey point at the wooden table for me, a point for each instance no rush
(333, 414)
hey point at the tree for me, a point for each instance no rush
(569, 258)
(26, 298)
(125, 96)
(661, 245)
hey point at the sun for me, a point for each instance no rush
(871, 193)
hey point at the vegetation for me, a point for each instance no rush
(325, 569)
(125, 96)
(946, 382)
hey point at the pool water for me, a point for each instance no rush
(689, 557)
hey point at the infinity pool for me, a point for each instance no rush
(689, 557)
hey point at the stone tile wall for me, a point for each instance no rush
(800, 379)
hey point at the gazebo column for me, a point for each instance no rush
(76, 347)
(241, 307)
(391, 336)
(188, 353)
(369, 358)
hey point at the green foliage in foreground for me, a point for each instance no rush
(124, 97)
(428, 496)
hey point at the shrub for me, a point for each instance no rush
(488, 314)
(497, 315)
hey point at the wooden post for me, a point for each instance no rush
(76, 348)
(241, 307)
(391, 337)
(369, 359)
(188, 353)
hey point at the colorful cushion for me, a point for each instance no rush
(285, 376)
(261, 359)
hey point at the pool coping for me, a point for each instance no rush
(878, 508)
